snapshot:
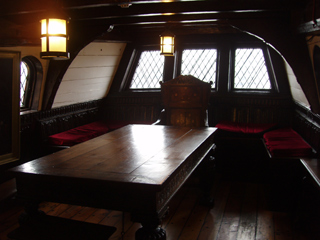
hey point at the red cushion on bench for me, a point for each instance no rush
(98, 127)
(280, 134)
(244, 127)
(86, 132)
(79, 134)
(70, 137)
(286, 142)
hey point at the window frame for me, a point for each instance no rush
(269, 67)
(133, 63)
(29, 85)
(224, 74)
(178, 62)
(33, 87)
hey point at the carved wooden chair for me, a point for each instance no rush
(186, 101)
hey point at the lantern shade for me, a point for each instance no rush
(54, 39)
(167, 44)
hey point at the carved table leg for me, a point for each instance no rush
(150, 231)
(150, 227)
(31, 211)
(206, 181)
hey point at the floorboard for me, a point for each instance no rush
(241, 212)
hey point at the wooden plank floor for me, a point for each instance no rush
(240, 212)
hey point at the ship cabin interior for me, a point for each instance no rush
(249, 68)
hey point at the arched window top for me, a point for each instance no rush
(30, 82)
(24, 83)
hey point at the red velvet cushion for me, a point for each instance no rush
(244, 127)
(70, 137)
(98, 127)
(79, 134)
(286, 142)
(280, 134)
(85, 132)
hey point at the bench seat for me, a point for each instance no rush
(245, 128)
(286, 143)
(86, 132)
(79, 134)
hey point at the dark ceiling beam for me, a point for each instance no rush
(163, 8)
(16, 7)
(75, 4)
(182, 19)
(146, 35)
(34, 12)
(218, 4)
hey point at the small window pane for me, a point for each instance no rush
(251, 70)
(24, 78)
(200, 63)
(149, 71)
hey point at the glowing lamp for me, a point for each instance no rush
(54, 39)
(167, 44)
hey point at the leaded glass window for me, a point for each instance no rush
(149, 71)
(24, 81)
(251, 70)
(200, 63)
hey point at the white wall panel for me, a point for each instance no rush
(94, 61)
(102, 49)
(91, 73)
(88, 73)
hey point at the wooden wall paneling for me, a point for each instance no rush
(146, 107)
(250, 109)
(30, 135)
(133, 107)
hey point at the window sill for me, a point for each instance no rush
(24, 112)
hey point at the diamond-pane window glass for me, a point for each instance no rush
(24, 78)
(200, 63)
(149, 71)
(251, 70)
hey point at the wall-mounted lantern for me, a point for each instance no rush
(167, 43)
(54, 39)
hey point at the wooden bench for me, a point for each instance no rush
(286, 143)
(63, 131)
(239, 151)
(277, 151)
(280, 142)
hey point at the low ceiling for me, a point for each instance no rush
(124, 21)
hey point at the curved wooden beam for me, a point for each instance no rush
(293, 49)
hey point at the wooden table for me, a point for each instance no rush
(312, 166)
(137, 168)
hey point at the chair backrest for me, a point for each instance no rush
(185, 100)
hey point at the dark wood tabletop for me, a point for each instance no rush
(137, 168)
(312, 165)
